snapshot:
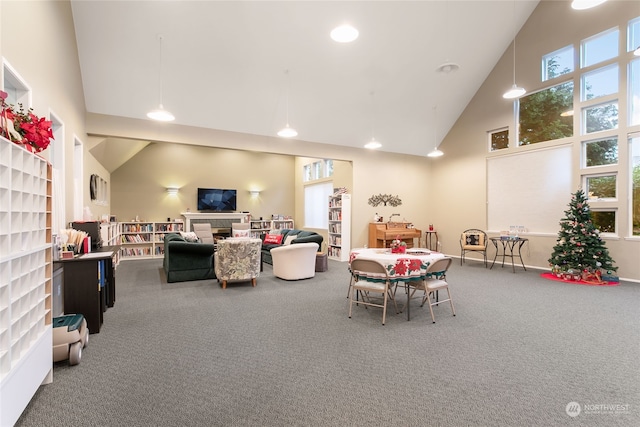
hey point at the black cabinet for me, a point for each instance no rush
(90, 285)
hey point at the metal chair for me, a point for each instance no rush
(437, 281)
(473, 240)
(370, 277)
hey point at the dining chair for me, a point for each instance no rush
(435, 281)
(370, 277)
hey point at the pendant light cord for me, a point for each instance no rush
(160, 74)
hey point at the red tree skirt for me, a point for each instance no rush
(550, 276)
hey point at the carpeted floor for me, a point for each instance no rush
(520, 349)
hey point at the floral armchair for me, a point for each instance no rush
(237, 260)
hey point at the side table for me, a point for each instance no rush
(431, 240)
(511, 247)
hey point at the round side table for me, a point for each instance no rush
(431, 240)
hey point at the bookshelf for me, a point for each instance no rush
(259, 228)
(26, 333)
(281, 224)
(143, 240)
(339, 244)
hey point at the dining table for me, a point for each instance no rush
(401, 267)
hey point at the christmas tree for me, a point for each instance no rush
(579, 246)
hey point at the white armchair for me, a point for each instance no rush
(295, 262)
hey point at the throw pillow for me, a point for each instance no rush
(242, 233)
(290, 239)
(473, 239)
(273, 239)
(189, 236)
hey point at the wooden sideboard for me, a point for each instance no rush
(382, 233)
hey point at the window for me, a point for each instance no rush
(316, 205)
(557, 63)
(599, 48)
(634, 92)
(600, 152)
(498, 139)
(543, 115)
(634, 156)
(604, 220)
(633, 35)
(601, 117)
(600, 82)
(601, 187)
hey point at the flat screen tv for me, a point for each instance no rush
(216, 200)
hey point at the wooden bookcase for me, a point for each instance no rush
(26, 359)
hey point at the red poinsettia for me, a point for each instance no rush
(24, 127)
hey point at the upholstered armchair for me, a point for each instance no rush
(295, 262)
(203, 231)
(237, 260)
(473, 240)
(185, 261)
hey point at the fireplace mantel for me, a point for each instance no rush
(232, 216)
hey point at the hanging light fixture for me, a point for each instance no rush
(515, 91)
(160, 114)
(287, 131)
(436, 151)
(373, 144)
(585, 4)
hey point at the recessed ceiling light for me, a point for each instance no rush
(585, 4)
(344, 34)
(447, 67)
(373, 144)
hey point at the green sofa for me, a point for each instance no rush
(303, 237)
(184, 261)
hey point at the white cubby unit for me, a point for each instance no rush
(26, 359)
(281, 224)
(339, 244)
(141, 240)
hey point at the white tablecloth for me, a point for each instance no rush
(400, 267)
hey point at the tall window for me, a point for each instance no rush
(557, 63)
(544, 115)
(634, 160)
(316, 205)
(599, 48)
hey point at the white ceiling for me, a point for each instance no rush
(224, 64)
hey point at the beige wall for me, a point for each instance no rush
(38, 41)
(139, 186)
(449, 192)
(460, 175)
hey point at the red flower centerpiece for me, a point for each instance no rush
(398, 246)
(24, 127)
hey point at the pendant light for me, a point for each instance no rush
(160, 114)
(436, 152)
(287, 131)
(515, 91)
(373, 144)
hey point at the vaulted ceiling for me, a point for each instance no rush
(224, 64)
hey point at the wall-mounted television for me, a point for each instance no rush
(216, 200)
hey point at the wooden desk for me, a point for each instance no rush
(382, 233)
(89, 285)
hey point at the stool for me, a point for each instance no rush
(321, 262)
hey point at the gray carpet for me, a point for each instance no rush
(285, 354)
